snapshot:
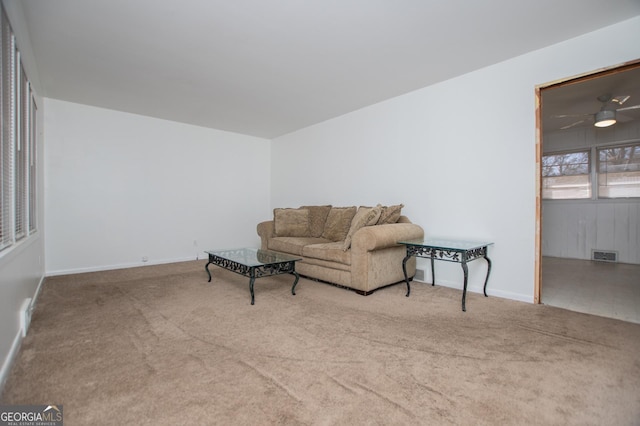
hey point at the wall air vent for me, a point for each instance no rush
(604, 255)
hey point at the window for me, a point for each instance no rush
(566, 175)
(619, 171)
(20, 167)
(6, 92)
(17, 144)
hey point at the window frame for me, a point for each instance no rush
(594, 167)
(635, 145)
(588, 174)
(18, 145)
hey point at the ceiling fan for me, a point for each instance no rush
(607, 115)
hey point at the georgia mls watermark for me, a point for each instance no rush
(31, 415)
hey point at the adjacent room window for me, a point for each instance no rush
(566, 175)
(17, 144)
(619, 171)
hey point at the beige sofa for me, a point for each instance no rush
(354, 247)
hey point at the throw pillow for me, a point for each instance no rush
(365, 216)
(338, 223)
(291, 222)
(390, 214)
(317, 219)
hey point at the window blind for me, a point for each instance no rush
(20, 186)
(32, 163)
(7, 93)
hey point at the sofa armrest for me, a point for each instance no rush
(376, 237)
(266, 230)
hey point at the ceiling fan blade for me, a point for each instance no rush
(569, 115)
(628, 108)
(572, 125)
(621, 99)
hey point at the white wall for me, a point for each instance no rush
(460, 155)
(120, 187)
(572, 228)
(22, 265)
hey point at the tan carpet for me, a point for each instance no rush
(159, 345)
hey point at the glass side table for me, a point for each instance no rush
(450, 251)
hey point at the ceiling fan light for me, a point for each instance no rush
(605, 118)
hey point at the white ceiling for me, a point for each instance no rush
(269, 67)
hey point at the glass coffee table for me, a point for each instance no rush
(449, 251)
(254, 263)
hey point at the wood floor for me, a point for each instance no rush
(605, 289)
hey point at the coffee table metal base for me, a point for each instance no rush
(254, 271)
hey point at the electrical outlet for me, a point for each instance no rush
(145, 259)
(419, 275)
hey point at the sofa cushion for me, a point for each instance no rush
(327, 264)
(338, 223)
(365, 216)
(390, 214)
(317, 219)
(328, 251)
(292, 245)
(291, 222)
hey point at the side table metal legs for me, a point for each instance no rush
(404, 269)
(462, 252)
(466, 278)
(206, 267)
(433, 272)
(487, 279)
(464, 287)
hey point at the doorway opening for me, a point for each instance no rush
(566, 111)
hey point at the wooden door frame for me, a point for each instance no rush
(538, 93)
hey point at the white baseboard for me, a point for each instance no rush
(17, 342)
(119, 266)
(9, 360)
(478, 289)
(34, 299)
